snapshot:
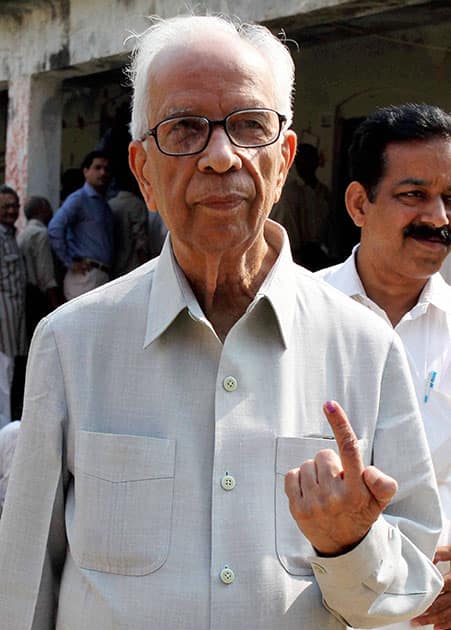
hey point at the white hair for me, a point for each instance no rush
(163, 33)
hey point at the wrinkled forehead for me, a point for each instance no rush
(212, 64)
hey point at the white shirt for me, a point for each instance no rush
(163, 451)
(445, 269)
(426, 334)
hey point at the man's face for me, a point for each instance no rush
(98, 174)
(413, 201)
(216, 201)
(9, 209)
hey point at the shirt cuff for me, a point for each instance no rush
(363, 564)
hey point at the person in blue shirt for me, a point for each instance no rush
(81, 232)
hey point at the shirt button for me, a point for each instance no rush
(230, 383)
(227, 575)
(228, 482)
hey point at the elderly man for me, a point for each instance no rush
(148, 483)
(12, 307)
(400, 161)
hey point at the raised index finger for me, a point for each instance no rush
(347, 442)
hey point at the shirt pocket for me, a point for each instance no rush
(123, 502)
(293, 548)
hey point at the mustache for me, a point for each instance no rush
(441, 234)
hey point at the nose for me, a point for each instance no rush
(437, 213)
(219, 155)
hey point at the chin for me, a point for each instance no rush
(426, 268)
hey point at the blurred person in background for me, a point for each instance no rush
(81, 231)
(13, 342)
(42, 294)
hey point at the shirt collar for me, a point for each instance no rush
(167, 298)
(171, 289)
(90, 191)
(346, 278)
(36, 222)
(436, 291)
(279, 286)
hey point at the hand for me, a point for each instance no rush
(439, 612)
(335, 499)
(80, 266)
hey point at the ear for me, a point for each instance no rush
(357, 202)
(289, 146)
(137, 159)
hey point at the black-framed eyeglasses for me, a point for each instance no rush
(245, 128)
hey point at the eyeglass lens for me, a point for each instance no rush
(189, 134)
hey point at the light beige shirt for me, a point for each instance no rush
(162, 453)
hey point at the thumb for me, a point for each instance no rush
(381, 486)
(442, 554)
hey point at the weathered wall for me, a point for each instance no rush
(61, 33)
(69, 38)
(351, 78)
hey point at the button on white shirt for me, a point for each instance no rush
(230, 383)
(228, 482)
(227, 575)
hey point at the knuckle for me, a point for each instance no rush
(326, 453)
(307, 465)
(291, 480)
(349, 445)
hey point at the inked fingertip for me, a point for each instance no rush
(330, 406)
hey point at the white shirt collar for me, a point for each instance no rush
(436, 290)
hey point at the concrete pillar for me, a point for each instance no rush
(33, 140)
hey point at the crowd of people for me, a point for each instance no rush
(221, 412)
(89, 240)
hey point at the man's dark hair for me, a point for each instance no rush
(307, 155)
(92, 155)
(397, 123)
(34, 205)
(7, 190)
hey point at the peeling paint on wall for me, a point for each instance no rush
(16, 171)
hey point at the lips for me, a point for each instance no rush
(219, 202)
(230, 198)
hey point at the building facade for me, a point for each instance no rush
(62, 84)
